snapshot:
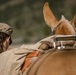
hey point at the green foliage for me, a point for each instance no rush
(26, 17)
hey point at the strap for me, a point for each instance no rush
(27, 61)
(65, 38)
(65, 41)
(54, 30)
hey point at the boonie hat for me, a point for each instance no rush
(5, 28)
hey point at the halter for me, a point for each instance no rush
(54, 30)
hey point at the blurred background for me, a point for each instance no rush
(26, 17)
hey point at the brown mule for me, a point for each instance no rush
(56, 61)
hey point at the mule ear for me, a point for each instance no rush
(49, 17)
(73, 21)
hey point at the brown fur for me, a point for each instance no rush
(73, 22)
(59, 62)
(49, 17)
(65, 28)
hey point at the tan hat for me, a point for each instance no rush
(5, 28)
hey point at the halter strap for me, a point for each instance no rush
(54, 30)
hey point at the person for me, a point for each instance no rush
(11, 61)
(5, 36)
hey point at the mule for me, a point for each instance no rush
(56, 61)
(61, 59)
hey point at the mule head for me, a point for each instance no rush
(73, 22)
(62, 27)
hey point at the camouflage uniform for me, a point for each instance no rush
(7, 30)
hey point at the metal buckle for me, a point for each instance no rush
(65, 42)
